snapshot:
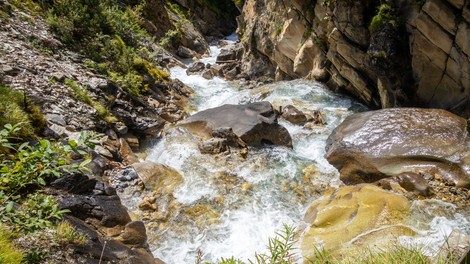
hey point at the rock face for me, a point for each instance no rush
(44, 79)
(96, 210)
(336, 220)
(254, 123)
(362, 48)
(373, 145)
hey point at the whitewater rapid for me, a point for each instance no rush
(260, 196)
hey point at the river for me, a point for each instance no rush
(229, 205)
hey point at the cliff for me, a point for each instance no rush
(386, 53)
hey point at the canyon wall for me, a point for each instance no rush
(386, 53)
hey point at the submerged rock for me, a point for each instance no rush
(158, 176)
(352, 214)
(373, 145)
(293, 115)
(254, 123)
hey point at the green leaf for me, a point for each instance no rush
(41, 181)
(9, 207)
(72, 143)
(85, 162)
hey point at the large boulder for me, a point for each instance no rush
(254, 123)
(230, 53)
(351, 216)
(373, 145)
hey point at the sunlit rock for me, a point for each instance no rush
(373, 145)
(293, 115)
(352, 214)
(254, 123)
(158, 176)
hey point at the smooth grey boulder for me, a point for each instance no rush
(373, 145)
(254, 123)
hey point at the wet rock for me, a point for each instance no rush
(207, 74)
(217, 70)
(230, 53)
(213, 146)
(336, 220)
(147, 205)
(373, 145)
(254, 123)
(98, 164)
(133, 141)
(409, 181)
(231, 74)
(316, 118)
(158, 176)
(196, 68)
(227, 133)
(293, 115)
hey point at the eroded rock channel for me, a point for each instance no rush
(223, 189)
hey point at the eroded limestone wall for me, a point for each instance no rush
(416, 55)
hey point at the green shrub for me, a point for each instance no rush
(75, 20)
(172, 38)
(15, 108)
(176, 8)
(9, 254)
(384, 15)
(36, 211)
(24, 169)
(126, 23)
(34, 256)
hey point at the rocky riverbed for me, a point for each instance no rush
(178, 171)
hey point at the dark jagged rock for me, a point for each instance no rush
(196, 68)
(370, 146)
(110, 251)
(254, 123)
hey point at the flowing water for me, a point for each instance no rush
(229, 205)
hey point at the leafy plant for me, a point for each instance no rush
(24, 168)
(280, 248)
(34, 256)
(37, 211)
(384, 15)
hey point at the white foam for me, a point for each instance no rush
(249, 218)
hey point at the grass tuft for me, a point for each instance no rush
(65, 233)
(15, 108)
(9, 254)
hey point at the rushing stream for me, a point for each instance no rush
(231, 205)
